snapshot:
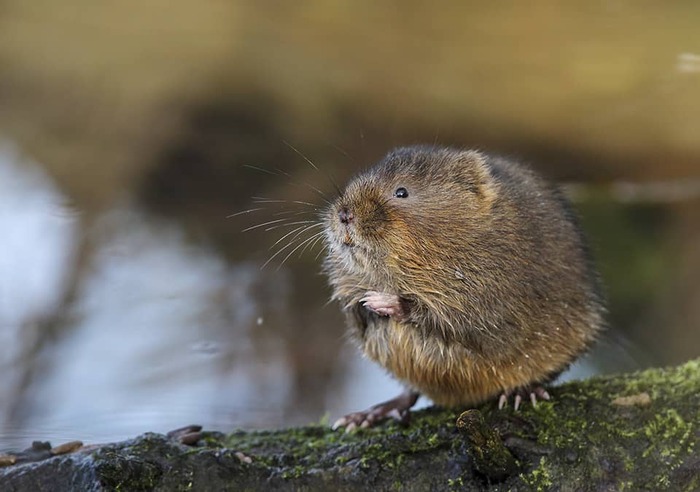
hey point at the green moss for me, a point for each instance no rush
(455, 483)
(664, 383)
(669, 436)
(433, 440)
(582, 421)
(562, 429)
(385, 447)
(539, 478)
(295, 472)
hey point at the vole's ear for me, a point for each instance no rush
(478, 174)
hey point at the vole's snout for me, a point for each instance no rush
(346, 216)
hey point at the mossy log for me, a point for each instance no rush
(627, 432)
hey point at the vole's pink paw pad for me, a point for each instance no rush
(528, 392)
(383, 304)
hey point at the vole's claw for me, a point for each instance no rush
(542, 393)
(533, 399)
(341, 422)
(355, 420)
(533, 393)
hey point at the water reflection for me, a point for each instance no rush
(160, 332)
(36, 253)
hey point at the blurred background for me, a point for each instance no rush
(130, 130)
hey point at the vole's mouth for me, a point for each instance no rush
(339, 235)
(346, 239)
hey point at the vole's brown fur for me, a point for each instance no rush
(488, 262)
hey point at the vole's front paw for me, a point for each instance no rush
(384, 304)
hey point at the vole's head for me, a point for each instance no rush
(416, 203)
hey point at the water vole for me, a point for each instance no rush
(466, 276)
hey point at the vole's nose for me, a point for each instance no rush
(346, 216)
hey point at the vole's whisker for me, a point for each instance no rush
(297, 222)
(259, 199)
(245, 212)
(305, 241)
(292, 212)
(291, 243)
(287, 235)
(262, 170)
(320, 251)
(277, 221)
(280, 172)
(307, 185)
(319, 237)
(308, 228)
(301, 228)
(310, 244)
(296, 235)
(342, 151)
(300, 154)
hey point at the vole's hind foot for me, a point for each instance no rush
(397, 408)
(384, 304)
(523, 393)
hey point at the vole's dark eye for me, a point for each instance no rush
(401, 192)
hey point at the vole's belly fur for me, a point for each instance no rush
(450, 374)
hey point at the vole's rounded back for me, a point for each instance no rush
(487, 260)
